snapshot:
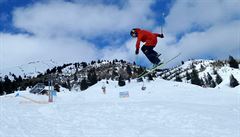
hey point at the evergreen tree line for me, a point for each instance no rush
(92, 77)
(233, 62)
(9, 86)
(207, 80)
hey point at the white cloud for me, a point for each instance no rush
(218, 42)
(57, 26)
(186, 14)
(60, 29)
(218, 39)
(64, 18)
(21, 49)
(126, 51)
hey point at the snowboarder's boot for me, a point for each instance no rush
(157, 64)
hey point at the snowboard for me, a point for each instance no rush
(157, 66)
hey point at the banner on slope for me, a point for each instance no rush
(124, 94)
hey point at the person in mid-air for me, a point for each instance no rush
(150, 40)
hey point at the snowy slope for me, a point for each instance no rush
(164, 109)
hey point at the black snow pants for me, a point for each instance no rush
(150, 54)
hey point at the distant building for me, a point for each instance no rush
(38, 88)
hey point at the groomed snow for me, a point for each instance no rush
(164, 109)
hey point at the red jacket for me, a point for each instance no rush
(148, 37)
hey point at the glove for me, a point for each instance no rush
(136, 51)
(161, 35)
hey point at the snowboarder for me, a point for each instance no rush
(150, 40)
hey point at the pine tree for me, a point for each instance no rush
(150, 77)
(209, 79)
(1, 86)
(57, 87)
(114, 74)
(192, 66)
(202, 68)
(214, 71)
(92, 77)
(93, 62)
(212, 84)
(75, 77)
(233, 63)
(20, 78)
(202, 82)
(69, 84)
(209, 76)
(188, 77)
(178, 78)
(205, 79)
(48, 71)
(218, 79)
(134, 63)
(59, 69)
(54, 70)
(7, 85)
(121, 82)
(140, 70)
(164, 76)
(195, 78)
(233, 81)
(84, 64)
(83, 84)
(129, 71)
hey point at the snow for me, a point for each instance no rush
(224, 71)
(164, 109)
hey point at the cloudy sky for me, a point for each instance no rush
(84, 30)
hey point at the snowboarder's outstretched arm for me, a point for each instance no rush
(159, 35)
(138, 44)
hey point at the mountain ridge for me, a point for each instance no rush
(72, 75)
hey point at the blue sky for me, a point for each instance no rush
(83, 30)
(6, 8)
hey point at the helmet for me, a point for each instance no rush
(133, 33)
